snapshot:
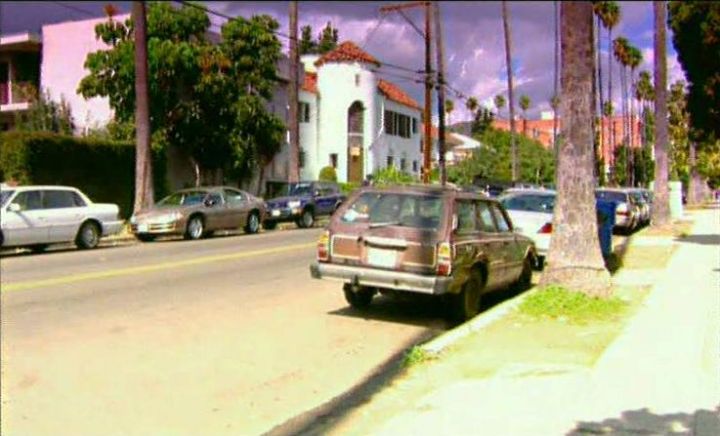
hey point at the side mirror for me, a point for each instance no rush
(14, 207)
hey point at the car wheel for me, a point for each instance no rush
(38, 248)
(88, 236)
(466, 303)
(307, 219)
(525, 280)
(195, 228)
(360, 299)
(145, 238)
(270, 225)
(253, 223)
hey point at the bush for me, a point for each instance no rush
(327, 174)
(348, 188)
(555, 302)
(102, 169)
(392, 176)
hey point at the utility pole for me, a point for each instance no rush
(441, 93)
(294, 152)
(427, 113)
(511, 101)
(143, 163)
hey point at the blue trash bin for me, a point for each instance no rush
(606, 222)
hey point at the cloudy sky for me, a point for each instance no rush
(473, 34)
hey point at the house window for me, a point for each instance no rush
(415, 166)
(415, 125)
(389, 161)
(304, 112)
(357, 80)
(301, 158)
(397, 124)
(333, 160)
(403, 164)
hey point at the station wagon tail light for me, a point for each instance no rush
(323, 247)
(547, 228)
(444, 259)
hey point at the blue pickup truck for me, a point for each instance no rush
(303, 204)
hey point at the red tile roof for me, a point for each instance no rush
(347, 52)
(394, 93)
(310, 83)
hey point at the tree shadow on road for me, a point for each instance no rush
(711, 239)
(643, 422)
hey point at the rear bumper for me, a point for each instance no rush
(112, 227)
(401, 281)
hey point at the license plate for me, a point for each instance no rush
(382, 258)
(142, 227)
(275, 212)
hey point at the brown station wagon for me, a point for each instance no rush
(423, 239)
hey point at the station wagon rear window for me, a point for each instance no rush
(379, 209)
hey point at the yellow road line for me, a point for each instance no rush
(72, 278)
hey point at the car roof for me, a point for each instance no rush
(31, 187)
(530, 191)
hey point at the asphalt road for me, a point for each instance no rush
(227, 335)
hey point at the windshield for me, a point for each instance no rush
(300, 189)
(386, 209)
(620, 197)
(529, 202)
(185, 198)
(4, 195)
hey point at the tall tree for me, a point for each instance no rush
(574, 259)
(634, 60)
(511, 100)
(499, 102)
(524, 106)
(610, 17)
(307, 44)
(472, 104)
(327, 39)
(621, 49)
(597, 9)
(143, 161)
(449, 108)
(661, 203)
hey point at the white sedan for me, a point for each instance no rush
(531, 211)
(36, 216)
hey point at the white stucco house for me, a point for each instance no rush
(353, 120)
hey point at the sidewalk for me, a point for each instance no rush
(660, 376)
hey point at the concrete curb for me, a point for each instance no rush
(482, 320)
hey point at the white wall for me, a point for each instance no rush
(397, 146)
(309, 138)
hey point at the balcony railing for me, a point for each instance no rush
(4, 93)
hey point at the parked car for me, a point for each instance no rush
(531, 211)
(423, 239)
(36, 216)
(642, 204)
(198, 212)
(304, 203)
(627, 213)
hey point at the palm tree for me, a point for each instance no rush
(574, 259)
(511, 102)
(499, 103)
(472, 105)
(449, 107)
(661, 204)
(610, 17)
(634, 60)
(621, 49)
(524, 105)
(597, 10)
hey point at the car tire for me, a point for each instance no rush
(253, 223)
(466, 303)
(88, 236)
(270, 225)
(145, 237)
(306, 220)
(360, 299)
(195, 228)
(523, 282)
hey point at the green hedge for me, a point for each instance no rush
(104, 170)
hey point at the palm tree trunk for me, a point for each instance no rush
(574, 259)
(143, 163)
(609, 99)
(600, 89)
(661, 203)
(556, 76)
(511, 100)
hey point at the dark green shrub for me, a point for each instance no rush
(102, 169)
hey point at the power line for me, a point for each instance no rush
(76, 9)
(227, 17)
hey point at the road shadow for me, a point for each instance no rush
(643, 422)
(414, 309)
(711, 239)
(60, 248)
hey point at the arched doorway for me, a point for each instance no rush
(355, 127)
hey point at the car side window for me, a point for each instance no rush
(466, 218)
(233, 197)
(78, 200)
(58, 199)
(215, 197)
(486, 221)
(29, 200)
(502, 223)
